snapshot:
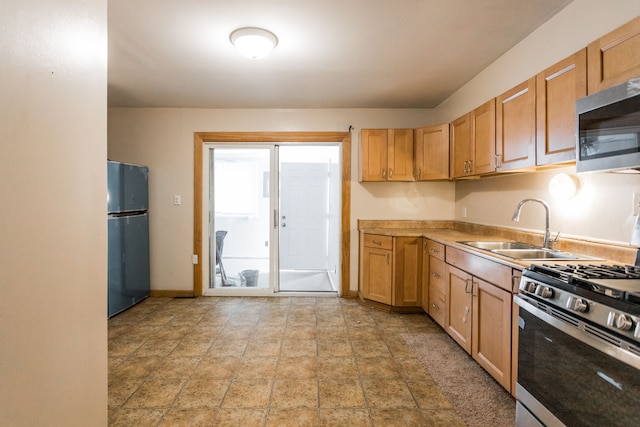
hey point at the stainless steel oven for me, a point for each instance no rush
(579, 346)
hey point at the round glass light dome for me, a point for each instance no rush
(254, 43)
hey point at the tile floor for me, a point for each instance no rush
(288, 361)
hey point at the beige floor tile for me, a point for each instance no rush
(155, 394)
(388, 394)
(156, 347)
(240, 417)
(337, 368)
(217, 367)
(124, 346)
(221, 347)
(136, 367)
(204, 332)
(400, 349)
(341, 394)
(344, 417)
(233, 331)
(296, 332)
(298, 393)
(192, 348)
(299, 417)
(398, 417)
(334, 348)
(370, 348)
(297, 367)
(176, 367)
(248, 394)
(189, 418)
(378, 368)
(365, 333)
(411, 368)
(257, 367)
(263, 347)
(442, 418)
(266, 332)
(428, 395)
(273, 319)
(332, 333)
(121, 390)
(201, 394)
(171, 333)
(298, 348)
(139, 417)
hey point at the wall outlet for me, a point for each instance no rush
(636, 204)
(177, 200)
(464, 212)
(194, 259)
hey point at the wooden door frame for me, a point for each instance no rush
(341, 138)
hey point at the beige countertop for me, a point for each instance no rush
(451, 232)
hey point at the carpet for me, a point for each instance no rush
(475, 396)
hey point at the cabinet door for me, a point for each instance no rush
(491, 343)
(400, 155)
(460, 146)
(376, 274)
(407, 262)
(432, 152)
(558, 87)
(458, 313)
(374, 151)
(516, 127)
(483, 139)
(614, 58)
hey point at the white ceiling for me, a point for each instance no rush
(330, 53)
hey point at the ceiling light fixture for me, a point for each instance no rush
(254, 43)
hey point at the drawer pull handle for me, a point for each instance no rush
(436, 275)
(435, 251)
(377, 242)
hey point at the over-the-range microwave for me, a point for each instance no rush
(608, 129)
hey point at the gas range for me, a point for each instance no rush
(604, 295)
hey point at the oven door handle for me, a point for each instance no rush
(580, 332)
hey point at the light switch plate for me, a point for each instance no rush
(636, 204)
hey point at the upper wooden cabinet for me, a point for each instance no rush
(386, 155)
(557, 89)
(615, 57)
(473, 142)
(516, 127)
(432, 152)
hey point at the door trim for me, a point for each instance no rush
(342, 138)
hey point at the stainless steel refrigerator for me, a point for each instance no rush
(128, 235)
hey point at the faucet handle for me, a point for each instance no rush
(554, 239)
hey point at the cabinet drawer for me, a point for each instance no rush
(437, 306)
(494, 272)
(378, 241)
(435, 249)
(437, 275)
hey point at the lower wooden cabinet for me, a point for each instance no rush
(391, 270)
(479, 313)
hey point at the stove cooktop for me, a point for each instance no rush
(615, 281)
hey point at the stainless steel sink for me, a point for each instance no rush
(524, 251)
(491, 246)
(537, 254)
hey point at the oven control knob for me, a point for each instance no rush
(577, 304)
(623, 322)
(528, 287)
(544, 291)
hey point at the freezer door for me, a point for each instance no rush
(127, 187)
(128, 261)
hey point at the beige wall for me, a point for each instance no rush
(602, 209)
(53, 304)
(163, 140)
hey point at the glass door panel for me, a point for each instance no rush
(240, 223)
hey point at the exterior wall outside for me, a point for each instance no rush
(53, 275)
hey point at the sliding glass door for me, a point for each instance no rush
(273, 219)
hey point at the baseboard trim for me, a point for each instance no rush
(171, 294)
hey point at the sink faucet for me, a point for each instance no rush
(516, 217)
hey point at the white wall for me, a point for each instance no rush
(53, 274)
(163, 140)
(603, 208)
